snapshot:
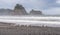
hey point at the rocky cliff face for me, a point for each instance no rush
(19, 10)
(34, 12)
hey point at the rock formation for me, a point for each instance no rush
(35, 12)
(19, 10)
(6, 12)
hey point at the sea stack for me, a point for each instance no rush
(35, 12)
(19, 10)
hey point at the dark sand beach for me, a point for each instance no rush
(9, 29)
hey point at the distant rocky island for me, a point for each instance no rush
(19, 10)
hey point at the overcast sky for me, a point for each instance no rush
(51, 7)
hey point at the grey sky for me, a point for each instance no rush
(51, 7)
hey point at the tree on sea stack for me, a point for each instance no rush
(19, 10)
(18, 6)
